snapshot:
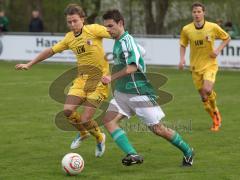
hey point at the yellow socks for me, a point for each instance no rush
(210, 104)
(94, 129)
(212, 101)
(208, 107)
(75, 119)
(90, 126)
(211, 107)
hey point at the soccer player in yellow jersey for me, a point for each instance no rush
(201, 34)
(86, 43)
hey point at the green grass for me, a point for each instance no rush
(31, 146)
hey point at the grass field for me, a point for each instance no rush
(31, 146)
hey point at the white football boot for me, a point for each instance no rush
(100, 147)
(78, 140)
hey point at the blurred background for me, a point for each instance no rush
(142, 16)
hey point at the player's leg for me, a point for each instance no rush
(95, 96)
(76, 96)
(208, 92)
(70, 111)
(92, 126)
(204, 83)
(175, 139)
(151, 114)
(111, 119)
(204, 93)
(198, 83)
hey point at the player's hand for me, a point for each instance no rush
(22, 67)
(214, 54)
(106, 79)
(181, 64)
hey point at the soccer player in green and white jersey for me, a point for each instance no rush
(134, 94)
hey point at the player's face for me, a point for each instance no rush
(198, 14)
(75, 23)
(113, 28)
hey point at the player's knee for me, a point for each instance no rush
(86, 117)
(67, 112)
(207, 90)
(203, 94)
(157, 129)
(163, 131)
(107, 122)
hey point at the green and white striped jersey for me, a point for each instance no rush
(126, 52)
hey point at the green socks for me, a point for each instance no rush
(121, 140)
(181, 144)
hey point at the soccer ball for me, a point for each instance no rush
(72, 164)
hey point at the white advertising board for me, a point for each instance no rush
(19, 47)
(159, 51)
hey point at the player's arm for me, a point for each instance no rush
(220, 34)
(182, 57)
(183, 45)
(132, 55)
(215, 53)
(129, 69)
(45, 54)
(40, 57)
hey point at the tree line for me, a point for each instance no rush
(141, 16)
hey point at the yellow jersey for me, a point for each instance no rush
(201, 42)
(88, 49)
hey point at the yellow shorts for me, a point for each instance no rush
(208, 74)
(93, 91)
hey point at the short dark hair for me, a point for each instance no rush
(228, 24)
(113, 14)
(198, 4)
(72, 9)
